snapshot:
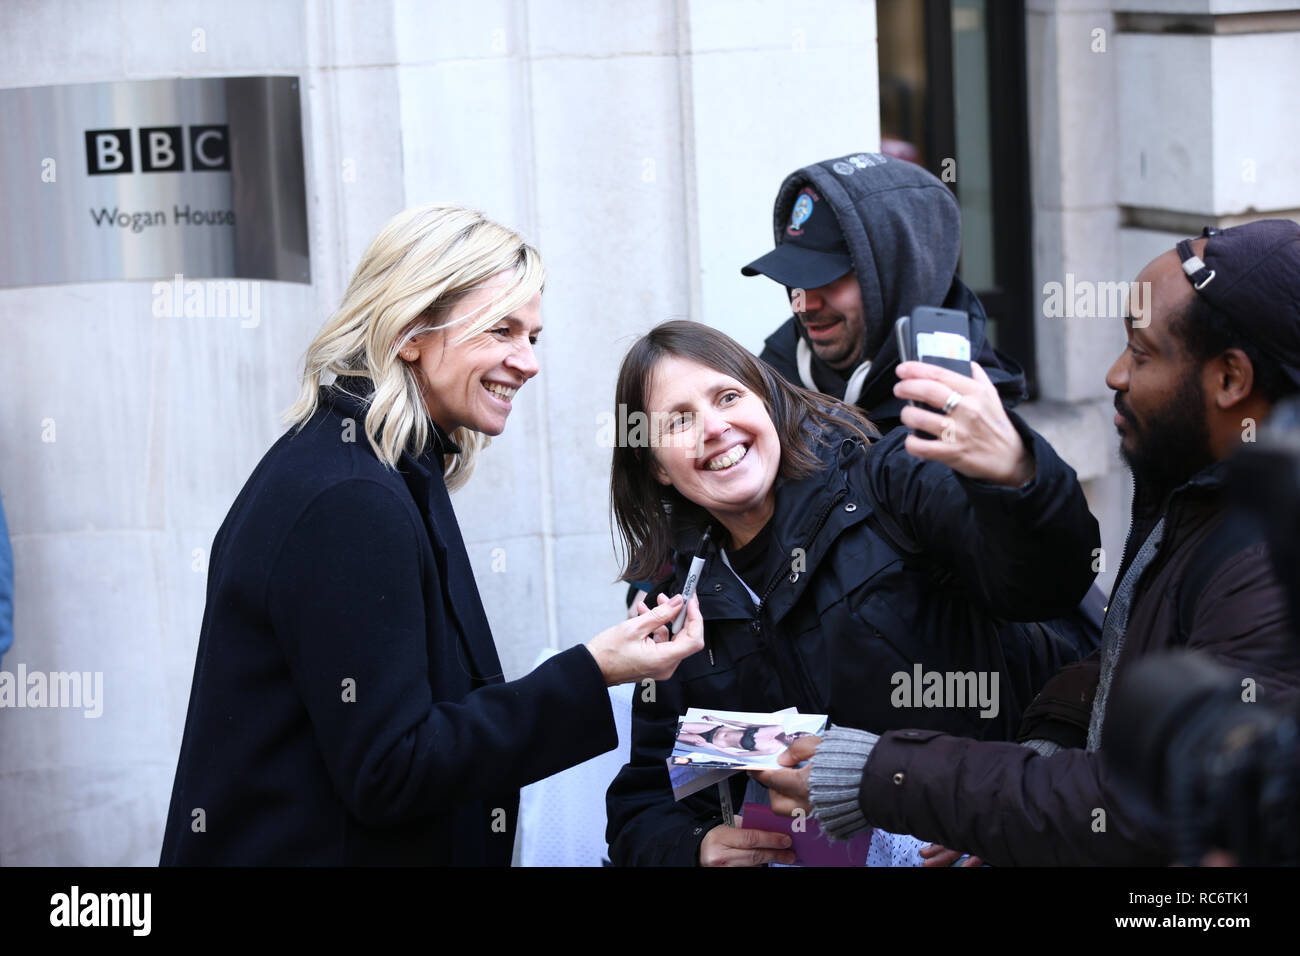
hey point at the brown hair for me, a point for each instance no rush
(646, 511)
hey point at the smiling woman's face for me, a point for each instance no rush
(473, 383)
(715, 443)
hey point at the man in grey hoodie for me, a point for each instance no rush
(862, 240)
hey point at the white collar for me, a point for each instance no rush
(756, 599)
(852, 389)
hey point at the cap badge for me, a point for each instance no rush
(803, 208)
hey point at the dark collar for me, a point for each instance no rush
(1209, 480)
(805, 517)
(350, 397)
(352, 394)
(448, 446)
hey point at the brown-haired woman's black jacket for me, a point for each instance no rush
(846, 613)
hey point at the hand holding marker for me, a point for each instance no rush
(692, 579)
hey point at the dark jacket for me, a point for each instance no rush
(828, 638)
(1006, 804)
(903, 229)
(348, 705)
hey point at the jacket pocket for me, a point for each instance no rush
(855, 567)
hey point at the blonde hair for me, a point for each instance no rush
(421, 264)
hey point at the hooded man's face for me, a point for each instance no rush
(833, 318)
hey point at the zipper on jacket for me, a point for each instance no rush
(805, 685)
(822, 518)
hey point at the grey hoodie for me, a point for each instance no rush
(903, 229)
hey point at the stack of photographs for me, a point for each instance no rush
(711, 745)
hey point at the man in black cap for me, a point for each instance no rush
(1222, 347)
(862, 240)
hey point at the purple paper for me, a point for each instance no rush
(811, 847)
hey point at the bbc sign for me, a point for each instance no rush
(84, 201)
(162, 149)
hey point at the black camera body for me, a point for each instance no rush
(1220, 772)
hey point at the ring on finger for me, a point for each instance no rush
(953, 399)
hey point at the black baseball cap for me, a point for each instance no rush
(812, 252)
(1251, 273)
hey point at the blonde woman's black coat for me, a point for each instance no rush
(348, 706)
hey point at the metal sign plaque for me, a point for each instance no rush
(153, 179)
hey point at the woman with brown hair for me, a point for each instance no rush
(806, 603)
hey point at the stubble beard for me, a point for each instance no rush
(1173, 444)
(840, 356)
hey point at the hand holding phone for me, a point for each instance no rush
(937, 337)
(956, 397)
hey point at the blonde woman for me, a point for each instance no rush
(348, 705)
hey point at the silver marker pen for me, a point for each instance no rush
(692, 579)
